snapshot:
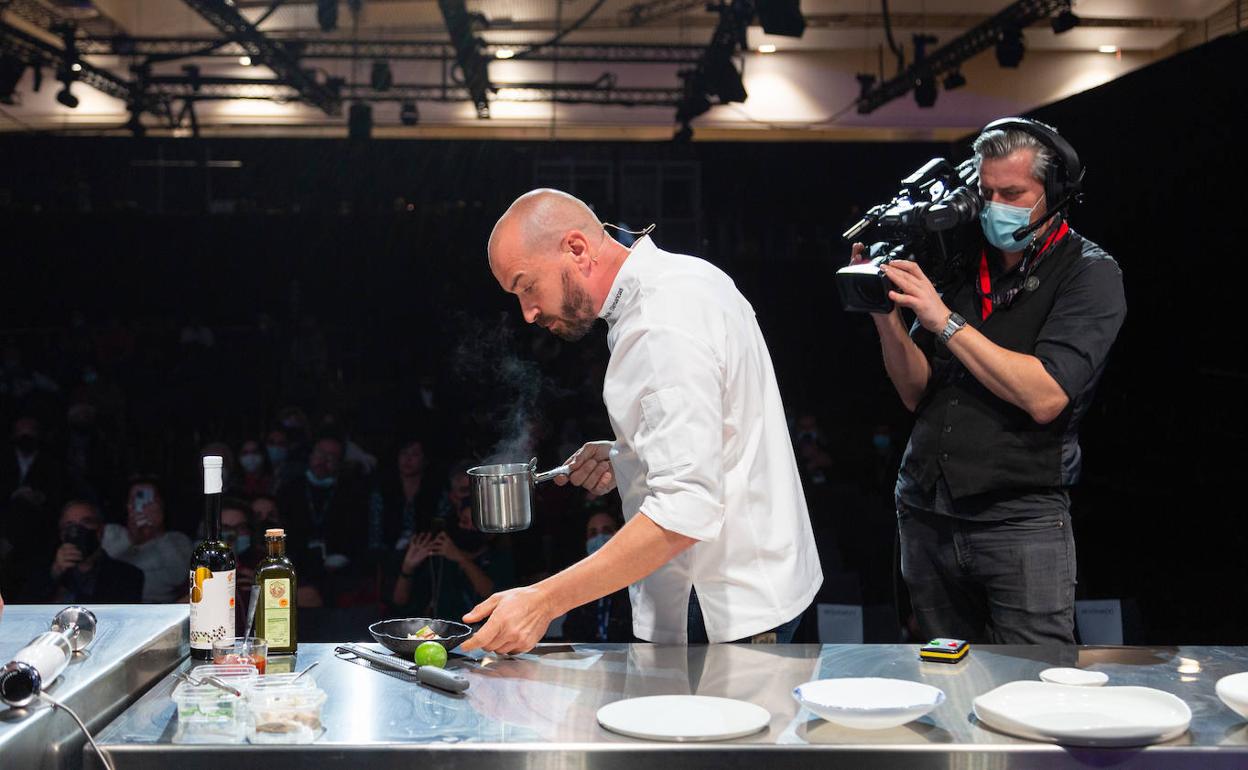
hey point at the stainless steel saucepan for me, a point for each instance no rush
(502, 495)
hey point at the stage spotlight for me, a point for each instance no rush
(360, 121)
(382, 78)
(1064, 21)
(954, 80)
(723, 80)
(408, 114)
(1010, 47)
(11, 69)
(684, 134)
(327, 15)
(66, 98)
(781, 17)
(925, 92)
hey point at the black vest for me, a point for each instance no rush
(979, 442)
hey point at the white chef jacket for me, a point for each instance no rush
(702, 448)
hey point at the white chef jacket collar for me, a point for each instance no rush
(624, 287)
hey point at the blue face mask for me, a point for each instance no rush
(882, 441)
(277, 454)
(1000, 220)
(318, 482)
(596, 542)
(241, 544)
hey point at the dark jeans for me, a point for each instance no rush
(994, 582)
(783, 633)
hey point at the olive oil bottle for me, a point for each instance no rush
(276, 616)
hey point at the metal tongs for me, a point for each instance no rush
(430, 675)
(209, 680)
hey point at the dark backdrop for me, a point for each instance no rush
(384, 243)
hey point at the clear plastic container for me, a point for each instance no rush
(287, 713)
(208, 714)
(271, 681)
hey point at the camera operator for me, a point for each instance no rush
(999, 369)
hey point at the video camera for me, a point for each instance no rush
(934, 199)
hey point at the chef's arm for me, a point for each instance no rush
(637, 550)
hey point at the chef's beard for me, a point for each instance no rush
(577, 311)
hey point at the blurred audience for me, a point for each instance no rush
(257, 474)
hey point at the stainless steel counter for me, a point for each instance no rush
(134, 647)
(538, 711)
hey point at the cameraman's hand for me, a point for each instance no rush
(857, 254)
(916, 292)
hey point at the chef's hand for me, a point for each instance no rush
(518, 620)
(591, 468)
(915, 291)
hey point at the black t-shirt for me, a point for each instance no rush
(1073, 346)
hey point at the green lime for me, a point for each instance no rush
(431, 654)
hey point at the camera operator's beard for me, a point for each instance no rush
(577, 311)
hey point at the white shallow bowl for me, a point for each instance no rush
(1233, 690)
(1084, 716)
(1076, 677)
(868, 703)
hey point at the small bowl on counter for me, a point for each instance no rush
(399, 635)
(868, 703)
(1233, 690)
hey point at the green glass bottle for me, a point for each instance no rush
(276, 615)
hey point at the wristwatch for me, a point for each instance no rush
(952, 327)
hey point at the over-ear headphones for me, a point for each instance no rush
(1064, 178)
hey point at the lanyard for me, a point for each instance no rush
(985, 278)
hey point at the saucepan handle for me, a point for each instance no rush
(562, 470)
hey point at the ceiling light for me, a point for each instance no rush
(766, 48)
(66, 98)
(245, 61)
(504, 53)
(1108, 49)
(76, 67)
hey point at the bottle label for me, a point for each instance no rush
(277, 604)
(212, 607)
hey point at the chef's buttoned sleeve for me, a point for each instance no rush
(678, 426)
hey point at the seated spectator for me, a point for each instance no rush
(163, 556)
(609, 619)
(236, 532)
(286, 465)
(402, 502)
(265, 515)
(327, 522)
(446, 572)
(355, 457)
(82, 572)
(31, 484)
(257, 474)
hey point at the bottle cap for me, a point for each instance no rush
(275, 533)
(212, 475)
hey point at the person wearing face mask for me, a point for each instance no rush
(450, 567)
(257, 475)
(998, 369)
(327, 523)
(236, 532)
(610, 618)
(286, 467)
(81, 572)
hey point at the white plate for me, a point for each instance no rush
(1076, 677)
(868, 703)
(1084, 716)
(1233, 690)
(683, 718)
